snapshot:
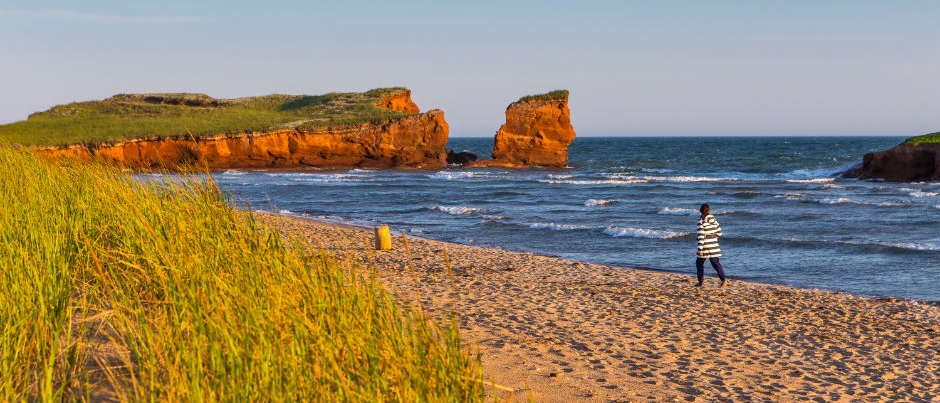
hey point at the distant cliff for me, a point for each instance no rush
(907, 162)
(416, 141)
(537, 132)
(336, 130)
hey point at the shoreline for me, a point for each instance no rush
(560, 330)
(708, 271)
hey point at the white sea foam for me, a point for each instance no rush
(326, 178)
(926, 246)
(839, 200)
(923, 193)
(678, 211)
(685, 179)
(599, 202)
(593, 182)
(621, 232)
(792, 196)
(815, 180)
(457, 210)
(451, 175)
(558, 227)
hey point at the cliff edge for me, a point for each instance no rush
(537, 132)
(915, 160)
(381, 128)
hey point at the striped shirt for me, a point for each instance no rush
(708, 233)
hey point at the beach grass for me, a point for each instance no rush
(139, 290)
(931, 138)
(126, 116)
(552, 95)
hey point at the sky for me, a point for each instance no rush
(633, 68)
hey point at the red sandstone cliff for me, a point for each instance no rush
(903, 163)
(537, 132)
(415, 141)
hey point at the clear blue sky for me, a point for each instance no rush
(633, 68)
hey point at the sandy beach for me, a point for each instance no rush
(564, 331)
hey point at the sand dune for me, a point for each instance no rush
(563, 331)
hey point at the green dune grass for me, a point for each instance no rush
(175, 115)
(556, 94)
(925, 139)
(138, 291)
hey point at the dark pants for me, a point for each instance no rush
(700, 268)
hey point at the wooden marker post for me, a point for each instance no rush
(383, 238)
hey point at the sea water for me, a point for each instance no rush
(787, 216)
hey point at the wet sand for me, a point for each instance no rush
(563, 331)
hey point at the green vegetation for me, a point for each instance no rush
(116, 288)
(557, 94)
(174, 115)
(925, 139)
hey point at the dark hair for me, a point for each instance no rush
(705, 209)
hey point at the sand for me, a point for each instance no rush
(563, 331)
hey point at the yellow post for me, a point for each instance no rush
(383, 238)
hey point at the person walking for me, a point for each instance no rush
(708, 232)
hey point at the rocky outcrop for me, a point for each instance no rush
(903, 163)
(416, 141)
(537, 132)
(399, 101)
(460, 158)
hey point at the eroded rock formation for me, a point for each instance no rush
(400, 101)
(903, 163)
(414, 141)
(537, 132)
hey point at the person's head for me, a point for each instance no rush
(705, 209)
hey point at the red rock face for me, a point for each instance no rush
(400, 101)
(903, 163)
(416, 141)
(536, 133)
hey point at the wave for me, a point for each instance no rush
(592, 182)
(920, 193)
(846, 200)
(452, 175)
(928, 246)
(814, 180)
(678, 211)
(674, 179)
(628, 232)
(599, 202)
(457, 210)
(559, 227)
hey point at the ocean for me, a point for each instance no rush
(632, 202)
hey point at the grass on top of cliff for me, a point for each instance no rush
(128, 116)
(925, 139)
(548, 96)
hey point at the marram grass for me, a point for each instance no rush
(115, 288)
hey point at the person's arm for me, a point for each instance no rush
(700, 237)
(716, 228)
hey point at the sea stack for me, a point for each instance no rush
(537, 132)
